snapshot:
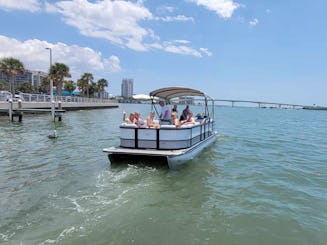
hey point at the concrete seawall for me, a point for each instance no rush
(65, 105)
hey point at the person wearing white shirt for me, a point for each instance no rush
(165, 115)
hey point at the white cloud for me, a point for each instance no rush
(206, 51)
(164, 9)
(223, 8)
(178, 18)
(79, 59)
(119, 23)
(253, 22)
(180, 47)
(26, 5)
(116, 21)
(182, 41)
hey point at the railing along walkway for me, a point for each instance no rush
(47, 98)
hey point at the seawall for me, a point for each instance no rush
(4, 105)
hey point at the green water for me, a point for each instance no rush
(263, 181)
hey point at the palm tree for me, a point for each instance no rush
(11, 67)
(102, 83)
(58, 72)
(70, 86)
(87, 79)
(81, 86)
(26, 87)
(93, 88)
(3, 85)
(45, 85)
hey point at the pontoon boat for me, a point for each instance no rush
(169, 143)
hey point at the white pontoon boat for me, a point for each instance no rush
(171, 144)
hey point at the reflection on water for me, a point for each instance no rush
(262, 182)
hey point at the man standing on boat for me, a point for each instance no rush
(165, 116)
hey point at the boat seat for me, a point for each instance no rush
(128, 125)
(191, 125)
(167, 126)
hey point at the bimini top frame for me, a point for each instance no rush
(169, 93)
(174, 92)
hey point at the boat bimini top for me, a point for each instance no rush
(174, 92)
(170, 93)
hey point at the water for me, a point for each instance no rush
(262, 182)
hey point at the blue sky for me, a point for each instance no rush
(261, 50)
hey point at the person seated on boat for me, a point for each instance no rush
(150, 121)
(190, 119)
(138, 120)
(174, 109)
(185, 113)
(175, 120)
(200, 118)
(165, 115)
(130, 119)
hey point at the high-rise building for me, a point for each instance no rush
(32, 77)
(127, 88)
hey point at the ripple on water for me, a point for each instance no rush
(262, 182)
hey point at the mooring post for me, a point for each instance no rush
(10, 109)
(53, 110)
(20, 104)
(60, 108)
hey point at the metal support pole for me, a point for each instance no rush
(53, 110)
(10, 109)
(51, 89)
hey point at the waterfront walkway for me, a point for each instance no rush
(37, 101)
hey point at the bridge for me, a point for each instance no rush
(264, 104)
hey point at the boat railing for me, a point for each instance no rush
(167, 137)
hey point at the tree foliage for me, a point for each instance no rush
(26, 87)
(4, 85)
(102, 83)
(69, 86)
(58, 72)
(85, 83)
(45, 85)
(11, 67)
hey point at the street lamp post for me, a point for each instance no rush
(51, 88)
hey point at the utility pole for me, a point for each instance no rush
(51, 89)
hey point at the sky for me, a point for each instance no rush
(261, 50)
